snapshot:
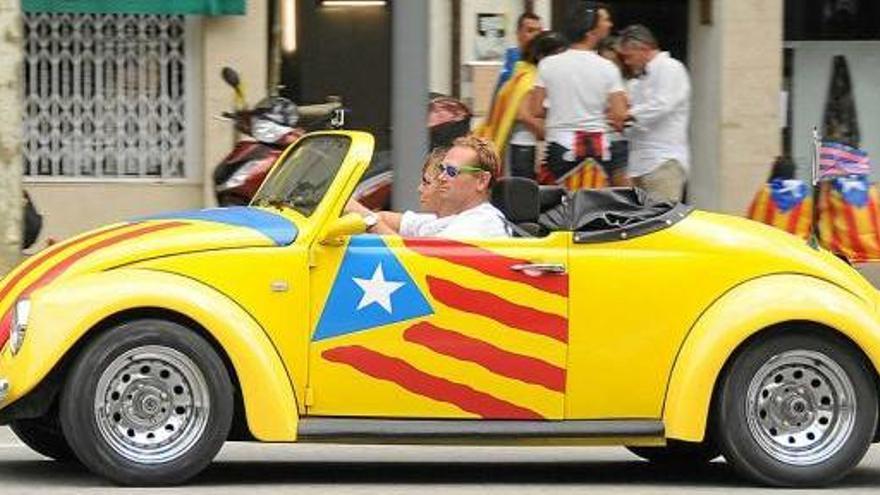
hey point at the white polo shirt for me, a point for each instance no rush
(483, 220)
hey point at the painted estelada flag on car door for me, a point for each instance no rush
(444, 327)
(361, 297)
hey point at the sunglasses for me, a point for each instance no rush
(452, 171)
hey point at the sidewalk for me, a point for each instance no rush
(871, 271)
(6, 436)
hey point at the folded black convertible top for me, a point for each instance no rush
(602, 215)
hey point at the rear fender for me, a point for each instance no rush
(742, 312)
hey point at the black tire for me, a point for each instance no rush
(760, 451)
(677, 453)
(43, 436)
(119, 349)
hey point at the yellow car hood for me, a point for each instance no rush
(144, 238)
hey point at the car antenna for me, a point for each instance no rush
(814, 182)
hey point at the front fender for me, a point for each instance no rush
(63, 315)
(744, 311)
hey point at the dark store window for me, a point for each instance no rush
(832, 20)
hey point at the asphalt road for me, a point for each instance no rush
(388, 470)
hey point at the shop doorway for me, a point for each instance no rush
(344, 51)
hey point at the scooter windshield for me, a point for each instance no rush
(303, 178)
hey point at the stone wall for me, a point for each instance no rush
(736, 64)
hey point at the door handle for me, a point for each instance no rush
(537, 269)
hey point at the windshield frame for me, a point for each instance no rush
(277, 190)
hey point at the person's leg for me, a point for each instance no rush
(615, 169)
(665, 182)
(522, 161)
(560, 161)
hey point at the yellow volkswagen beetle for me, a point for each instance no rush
(139, 348)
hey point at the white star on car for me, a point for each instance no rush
(377, 290)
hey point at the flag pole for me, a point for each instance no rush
(814, 180)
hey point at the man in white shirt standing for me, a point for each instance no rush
(584, 95)
(659, 156)
(461, 189)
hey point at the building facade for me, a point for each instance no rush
(137, 94)
(120, 103)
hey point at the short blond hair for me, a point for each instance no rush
(434, 158)
(487, 157)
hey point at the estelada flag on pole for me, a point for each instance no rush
(785, 204)
(848, 217)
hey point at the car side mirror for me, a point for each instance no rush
(344, 226)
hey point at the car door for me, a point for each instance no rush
(439, 328)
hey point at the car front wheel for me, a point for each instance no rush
(147, 403)
(797, 409)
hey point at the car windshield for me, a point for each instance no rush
(301, 181)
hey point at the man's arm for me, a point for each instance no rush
(391, 219)
(617, 111)
(388, 221)
(524, 114)
(536, 102)
(669, 89)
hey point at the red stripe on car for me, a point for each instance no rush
(505, 363)
(44, 255)
(400, 372)
(499, 309)
(487, 262)
(67, 262)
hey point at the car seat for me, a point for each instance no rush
(519, 199)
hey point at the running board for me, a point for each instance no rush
(379, 430)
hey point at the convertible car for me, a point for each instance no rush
(139, 348)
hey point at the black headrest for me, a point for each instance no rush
(517, 198)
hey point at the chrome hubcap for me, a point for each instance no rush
(152, 404)
(801, 407)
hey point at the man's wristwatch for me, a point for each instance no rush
(370, 220)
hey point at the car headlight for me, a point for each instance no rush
(20, 316)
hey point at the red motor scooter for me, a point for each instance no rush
(266, 131)
(275, 123)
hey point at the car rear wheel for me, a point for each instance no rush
(43, 436)
(676, 453)
(147, 403)
(797, 409)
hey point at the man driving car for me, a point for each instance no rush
(461, 188)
